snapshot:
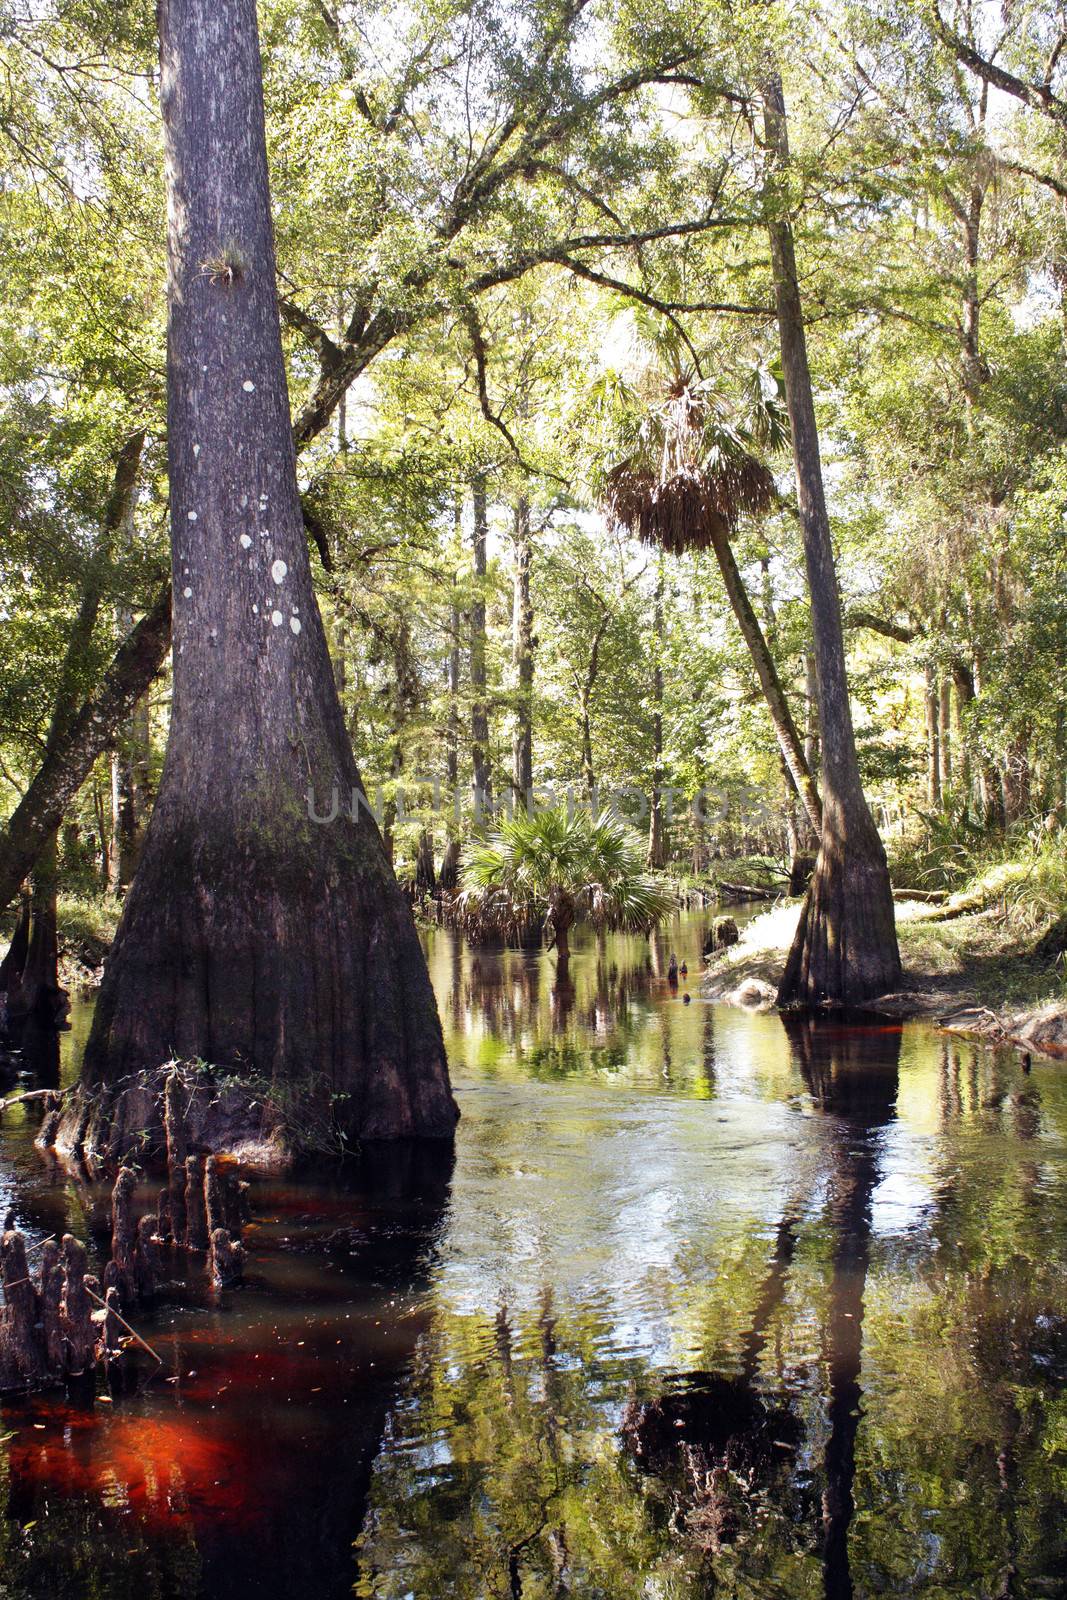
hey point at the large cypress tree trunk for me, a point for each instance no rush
(254, 937)
(845, 948)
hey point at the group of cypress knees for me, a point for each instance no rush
(58, 1320)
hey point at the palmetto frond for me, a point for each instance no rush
(532, 861)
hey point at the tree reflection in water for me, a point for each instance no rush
(832, 1252)
(852, 1073)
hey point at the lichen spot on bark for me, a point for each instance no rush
(248, 386)
(245, 541)
(277, 618)
(196, 451)
(278, 571)
(192, 516)
(294, 623)
(187, 592)
(255, 611)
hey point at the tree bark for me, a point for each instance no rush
(964, 686)
(789, 741)
(70, 758)
(254, 937)
(657, 845)
(522, 648)
(135, 752)
(933, 742)
(845, 948)
(482, 779)
(40, 995)
(944, 732)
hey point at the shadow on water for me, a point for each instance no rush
(241, 1466)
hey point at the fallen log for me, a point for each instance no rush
(735, 892)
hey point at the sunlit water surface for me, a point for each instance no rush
(421, 1388)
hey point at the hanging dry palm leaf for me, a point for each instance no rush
(691, 478)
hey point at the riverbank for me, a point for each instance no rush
(968, 971)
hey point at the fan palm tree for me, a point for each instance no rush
(560, 867)
(691, 469)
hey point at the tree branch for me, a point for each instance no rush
(903, 632)
(1039, 96)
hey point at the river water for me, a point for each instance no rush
(704, 1306)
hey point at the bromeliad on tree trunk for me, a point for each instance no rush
(254, 938)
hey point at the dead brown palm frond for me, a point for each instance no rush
(691, 475)
(693, 507)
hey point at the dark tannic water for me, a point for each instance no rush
(849, 1242)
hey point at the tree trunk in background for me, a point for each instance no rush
(989, 790)
(425, 874)
(522, 647)
(933, 741)
(1015, 779)
(657, 844)
(944, 732)
(70, 760)
(405, 694)
(448, 877)
(396, 768)
(11, 967)
(452, 751)
(802, 832)
(482, 778)
(586, 684)
(32, 834)
(811, 720)
(972, 369)
(254, 937)
(845, 948)
(40, 995)
(964, 687)
(115, 823)
(133, 785)
(794, 757)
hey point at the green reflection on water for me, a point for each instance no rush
(849, 1239)
(620, 1229)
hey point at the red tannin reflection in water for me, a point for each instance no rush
(157, 1467)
